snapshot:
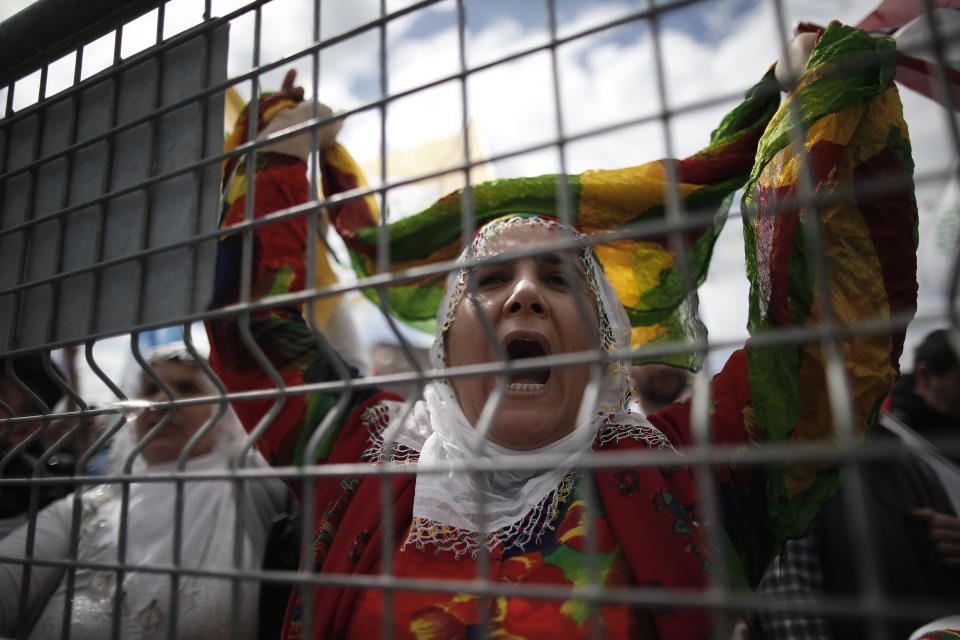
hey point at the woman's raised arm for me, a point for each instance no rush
(278, 267)
(830, 240)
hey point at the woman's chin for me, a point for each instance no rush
(526, 428)
(532, 415)
(162, 451)
(160, 456)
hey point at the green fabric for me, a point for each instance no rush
(774, 370)
(873, 65)
(671, 305)
(416, 237)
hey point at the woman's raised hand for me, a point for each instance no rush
(944, 534)
(299, 145)
(793, 61)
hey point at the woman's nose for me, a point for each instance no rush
(526, 297)
(156, 395)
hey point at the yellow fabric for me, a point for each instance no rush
(268, 114)
(325, 277)
(236, 188)
(446, 252)
(642, 335)
(781, 171)
(323, 308)
(339, 157)
(609, 199)
(633, 267)
(855, 293)
(232, 106)
(239, 134)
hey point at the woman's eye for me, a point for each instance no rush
(557, 279)
(187, 389)
(487, 279)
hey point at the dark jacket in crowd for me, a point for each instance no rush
(905, 560)
(15, 499)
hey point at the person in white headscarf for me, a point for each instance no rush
(531, 516)
(205, 607)
(544, 305)
(483, 491)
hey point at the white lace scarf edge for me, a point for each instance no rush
(431, 533)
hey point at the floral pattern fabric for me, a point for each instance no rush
(557, 561)
(652, 513)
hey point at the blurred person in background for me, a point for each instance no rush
(22, 444)
(647, 523)
(206, 606)
(911, 502)
(659, 385)
(387, 358)
(83, 432)
(928, 399)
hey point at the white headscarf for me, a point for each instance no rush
(454, 510)
(209, 509)
(230, 436)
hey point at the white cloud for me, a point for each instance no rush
(9, 8)
(604, 79)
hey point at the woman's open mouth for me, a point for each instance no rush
(532, 379)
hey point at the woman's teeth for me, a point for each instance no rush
(524, 386)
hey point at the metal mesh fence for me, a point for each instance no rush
(134, 506)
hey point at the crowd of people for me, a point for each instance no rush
(136, 525)
(911, 502)
(499, 473)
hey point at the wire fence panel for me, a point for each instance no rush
(406, 365)
(104, 190)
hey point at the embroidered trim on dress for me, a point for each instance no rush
(647, 433)
(425, 532)
(429, 533)
(400, 453)
(376, 418)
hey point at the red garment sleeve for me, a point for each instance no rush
(281, 336)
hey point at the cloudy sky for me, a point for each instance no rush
(710, 52)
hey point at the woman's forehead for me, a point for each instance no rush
(518, 237)
(174, 370)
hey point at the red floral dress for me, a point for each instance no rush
(558, 560)
(649, 531)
